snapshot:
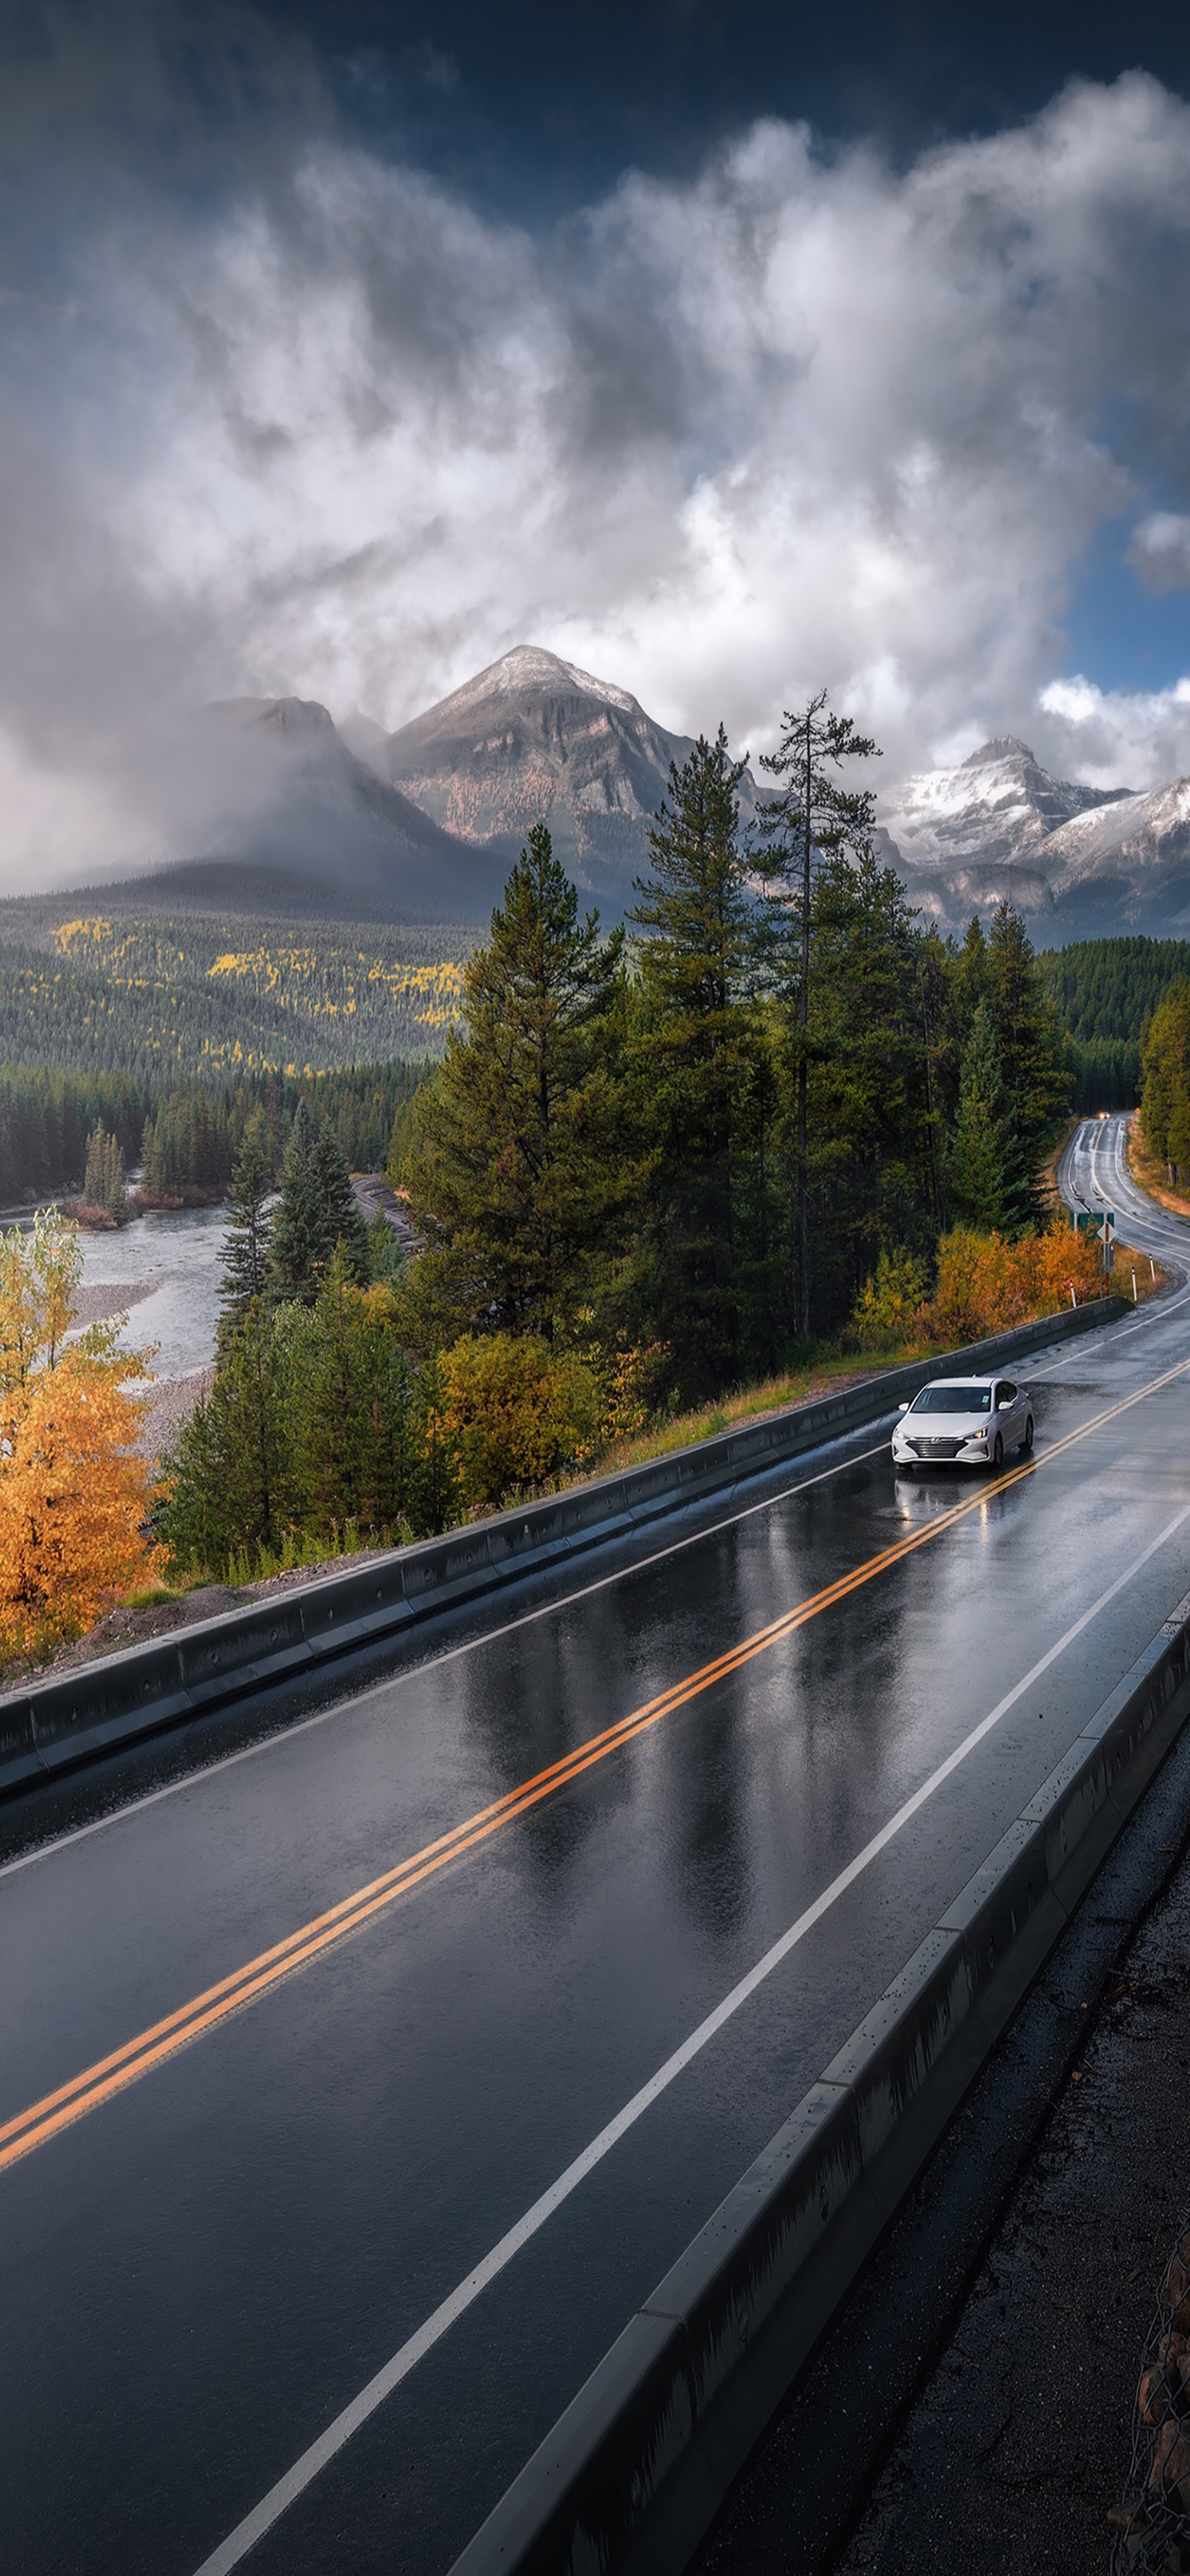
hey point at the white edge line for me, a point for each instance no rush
(305, 2469)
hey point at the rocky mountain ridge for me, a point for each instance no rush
(1077, 861)
(533, 739)
(423, 824)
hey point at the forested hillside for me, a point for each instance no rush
(643, 1176)
(1106, 989)
(202, 997)
(1165, 1100)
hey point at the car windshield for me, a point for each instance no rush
(953, 1399)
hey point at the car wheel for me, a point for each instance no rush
(1027, 1442)
(998, 1454)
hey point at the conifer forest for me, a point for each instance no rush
(770, 1113)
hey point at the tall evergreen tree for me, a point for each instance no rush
(230, 1477)
(971, 975)
(355, 1425)
(694, 970)
(980, 1162)
(516, 1173)
(1033, 1054)
(316, 1210)
(811, 814)
(871, 1177)
(343, 1216)
(246, 1253)
(299, 1248)
(104, 1182)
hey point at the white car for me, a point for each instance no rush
(963, 1422)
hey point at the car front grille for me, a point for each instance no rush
(937, 1448)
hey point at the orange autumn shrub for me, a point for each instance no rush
(986, 1283)
(74, 1494)
(1063, 1259)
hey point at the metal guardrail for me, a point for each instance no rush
(94, 1709)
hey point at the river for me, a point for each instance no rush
(177, 1254)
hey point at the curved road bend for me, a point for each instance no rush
(1093, 1173)
(495, 1976)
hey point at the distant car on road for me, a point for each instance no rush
(963, 1422)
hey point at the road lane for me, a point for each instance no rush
(1093, 1172)
(199, 2277)
(97, 2084)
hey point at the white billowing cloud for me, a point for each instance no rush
(1160, 549)
(1118, 737)
(798, 421)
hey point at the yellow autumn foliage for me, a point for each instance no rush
(74, 1494)
(514, 1412)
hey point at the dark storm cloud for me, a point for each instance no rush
(283, 410)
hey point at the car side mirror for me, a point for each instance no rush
(904, 1404)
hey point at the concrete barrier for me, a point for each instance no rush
(634, 2473)
(52, 1725)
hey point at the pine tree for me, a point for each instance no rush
(246, 1251)
(979, 1164)
(811, 815)
(316, 1210)
(353, 1407)
(105, 1183)
(229, 1477)
(869, 1089)
(695, 1059)
(299, 1246)
(971, 978)
(515, 1173)
(342, 1215)
(1033, 1055)
(1165, 1100)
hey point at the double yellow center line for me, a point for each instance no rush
(138, 2057)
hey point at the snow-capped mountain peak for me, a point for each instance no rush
(999, 804)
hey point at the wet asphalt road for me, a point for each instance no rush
(202, 2273)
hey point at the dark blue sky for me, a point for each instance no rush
(535, 103)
